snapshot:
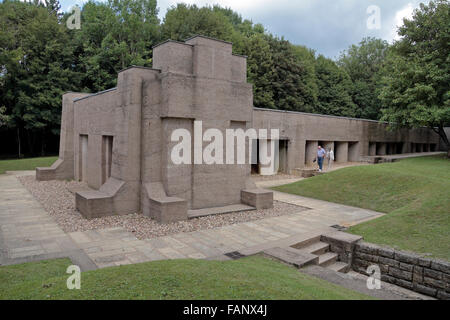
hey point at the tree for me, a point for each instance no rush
(260, 70)
(415, 92)
(114, 36)
(335, 87)
(364, 64)
(183, 21)
(291, 78)
(37, 68)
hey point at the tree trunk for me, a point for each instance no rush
(18, 143)
(43, 144)
(30, 139)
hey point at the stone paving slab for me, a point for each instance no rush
(28, 232)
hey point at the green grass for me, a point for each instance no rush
(415, 194)
(25, 164)
(249, 278)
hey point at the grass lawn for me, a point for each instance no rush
(249, 278)
(414, 192)
(25, 164)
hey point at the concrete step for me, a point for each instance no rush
(219, 210)
(316, 248)
(339, 267)
(292, 256)
(327, 259)
(306, 242)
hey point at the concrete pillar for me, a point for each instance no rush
(372, 149)
(381, 149)
(341, 151)
(266, 150)
(354, 152)
(404, 147)
(310, 151)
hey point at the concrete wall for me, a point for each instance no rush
(350, 138)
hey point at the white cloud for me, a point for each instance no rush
(405, 12)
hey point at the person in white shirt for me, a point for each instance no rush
(330, 157)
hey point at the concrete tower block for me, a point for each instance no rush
(63, 168)
(173, 56)
(211, 57)
(238, 68)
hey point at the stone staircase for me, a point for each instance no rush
(309, 252)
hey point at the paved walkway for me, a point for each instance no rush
(28, 233)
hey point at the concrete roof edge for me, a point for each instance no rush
(95, 94)
(209, 38)
(318, 115)
(139, 67)
(170, 40)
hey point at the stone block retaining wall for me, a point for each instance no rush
(408, 270)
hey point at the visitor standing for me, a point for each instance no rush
(320, 156)
(330, 157)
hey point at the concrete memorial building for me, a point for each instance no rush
(119, 141)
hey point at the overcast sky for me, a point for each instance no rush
(328, 26)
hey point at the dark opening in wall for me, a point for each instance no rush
(83, 157)
(283, 156)
(399, 148)
(255, 157)
(107, 145)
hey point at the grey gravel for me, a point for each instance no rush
(57, 197)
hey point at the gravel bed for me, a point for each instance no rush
(58, 199)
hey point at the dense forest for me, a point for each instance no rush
(406, 83)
